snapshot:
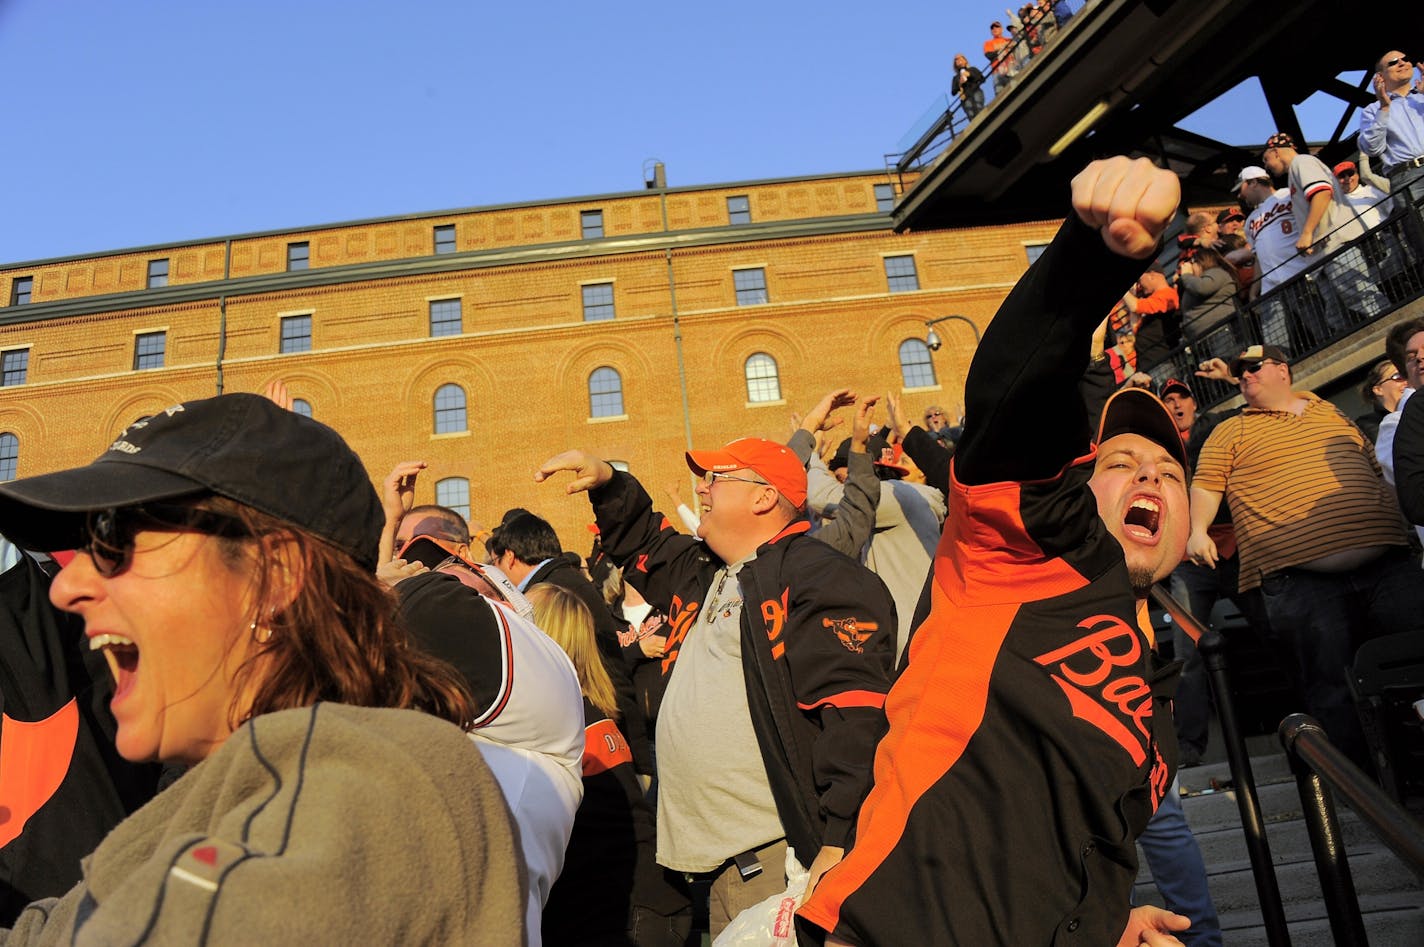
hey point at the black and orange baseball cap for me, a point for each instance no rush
(775, 463)
(1139, 411)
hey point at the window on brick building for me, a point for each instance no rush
(302, 406)
(14, 367)
(885, 197)
(9, 456)
(1034, 251)
(445, 317)
(454, 493)
(296, 334)
(157, 273)
(148, 350)
(598, 302)
(298, 256)
(445, 239)
(20, 289)
(739, 210)
(450, 410)
(915, 366)
(900, 274)
(763, 379)
(750, 286)
(591, 224)
(605, 393)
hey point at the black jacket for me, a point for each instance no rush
(818, 633)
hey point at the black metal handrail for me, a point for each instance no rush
(1253, 825)
(1320, 769)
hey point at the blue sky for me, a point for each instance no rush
(148, 121)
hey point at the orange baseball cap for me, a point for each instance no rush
(776, 464)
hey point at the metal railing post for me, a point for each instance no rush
(1331, 862)
(1258, 847)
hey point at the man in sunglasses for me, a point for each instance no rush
(1392, 126)
(775, 672)
(1368, 203)
(1318, 529)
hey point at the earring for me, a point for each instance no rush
(260, 635)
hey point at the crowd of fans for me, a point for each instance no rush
(898, 653)
(1008, 51)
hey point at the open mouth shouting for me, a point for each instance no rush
(122, 657)
(1143, 520)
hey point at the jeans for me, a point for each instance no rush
(1322, 617)
(973, 101)
(1178, 871)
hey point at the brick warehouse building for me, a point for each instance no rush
(485, 339)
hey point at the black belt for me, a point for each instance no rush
(1406, 165)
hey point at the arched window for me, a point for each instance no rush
(9, 456)
(454, 492)
(450, 410)
(302, 406)
(763, 381)
(605, 393)
(915, 365)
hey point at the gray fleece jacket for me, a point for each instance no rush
(322, 825)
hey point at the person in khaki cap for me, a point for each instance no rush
(227, 551)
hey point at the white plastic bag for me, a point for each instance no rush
(772, 923)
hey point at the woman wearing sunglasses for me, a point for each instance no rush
(226, 569)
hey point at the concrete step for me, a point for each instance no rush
(1391, 896)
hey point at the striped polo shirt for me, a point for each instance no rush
(1299, 487)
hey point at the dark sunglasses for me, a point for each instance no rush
(1346, 175)
(1254, 367)
(109, 534)
(1389, 63)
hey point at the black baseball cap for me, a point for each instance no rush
(1175, 384)
(240, 446)
(1138, 411)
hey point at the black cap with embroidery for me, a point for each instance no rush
(239, 446)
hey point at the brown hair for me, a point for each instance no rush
(338, 639)
(563, 616)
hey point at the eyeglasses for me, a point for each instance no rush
(934, 414)
(1254, 367)
(712, 476)
(109, 534)
(1395, 377)
(1390, 63)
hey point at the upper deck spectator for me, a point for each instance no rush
(1392, 126)
(968, 86)
(1000, 58)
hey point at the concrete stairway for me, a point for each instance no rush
(1391, 896)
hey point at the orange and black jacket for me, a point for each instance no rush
(818, 641)
(1029, 734)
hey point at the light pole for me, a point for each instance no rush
(932, 339)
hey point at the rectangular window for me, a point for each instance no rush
(1034, 251)
(14, 366)
(739, 210)
(445, 239)
(750, 286)
(296, 334)
(900, 274)
(148, 350)
(298, 256)
(157, 273)
(20, 289)
(445, 317)
(591, 222)
(885, 197)
(598, 302)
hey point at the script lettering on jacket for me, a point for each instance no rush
(650, 626)
(684, 615)
(1091, 673)
(773, 612)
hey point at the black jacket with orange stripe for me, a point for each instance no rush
(1030, 736)
(818, 641)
